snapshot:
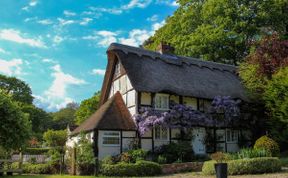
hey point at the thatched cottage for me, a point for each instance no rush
(136, 77)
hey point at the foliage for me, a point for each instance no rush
(137, 155)
(249, 153)
(276, 95)
(246, 166)
(64, 116)
(15, 126)
(55, 138)
(181, 151)
(268, 144)
(46, 168)
(140, 168)
(87, 108)
(19, 90)
(84, 156)
(39, 118)
(35, 151)
(219, 30)
(219, 157)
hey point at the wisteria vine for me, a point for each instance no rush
(182, 116)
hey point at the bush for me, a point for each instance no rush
(138, 154)
(140, 168)
(268, 144)
(251, 153)
(181, 151)
(36, 151)
(246, 166)
(29, 168)
(219, 157)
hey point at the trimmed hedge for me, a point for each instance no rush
(140, 168)
(29, 168)
(246, 166)
(36, 151)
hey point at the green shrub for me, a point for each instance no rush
(176, 151)
(138, 154)
(161, 159)
(251, 153)
(268, 144)
(140, 168)
(219, 157)
(246, 166)
(29, 168)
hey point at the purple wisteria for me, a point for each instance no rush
(185, 117)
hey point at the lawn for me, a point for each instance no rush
(283, 174)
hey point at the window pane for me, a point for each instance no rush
(111, 140)
(157, 133)
(164, 133)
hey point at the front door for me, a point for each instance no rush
(198, 143)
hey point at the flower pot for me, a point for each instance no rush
(221, 170)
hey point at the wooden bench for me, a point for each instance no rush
(6, 167)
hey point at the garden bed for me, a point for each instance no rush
(181, 167)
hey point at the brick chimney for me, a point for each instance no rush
(165, 48)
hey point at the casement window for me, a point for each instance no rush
(231, 136)
(111, 138)
(161, 102)
(161, 133)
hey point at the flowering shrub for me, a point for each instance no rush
(219, 157)
(184, 117)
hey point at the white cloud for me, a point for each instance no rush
(104, 38)
(153, 18)
(47, 60)
(56, 95)
(157, 25)
(45, 22)
(118, 10)
(16, 36)
(86, 21)
(137, 3)
(32, 3)
(3, 51)
(57, 39)
(64, 22)
(172, 3)
(12, 67)
(98, 72)
(30, 19)
(69, 13)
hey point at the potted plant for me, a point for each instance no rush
(220, 166)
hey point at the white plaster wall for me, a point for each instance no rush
(174, 98)
(73, 141)
(146, 98)
(158, 143)
(232, 147)
(146, 144)
(131, 98)
(129, 86)
(175, 133)
(106, 150)
(132, 110)
(129, 133)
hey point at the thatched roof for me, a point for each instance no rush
(151, 71)
(112, 115)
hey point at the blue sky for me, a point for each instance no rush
(59, 46)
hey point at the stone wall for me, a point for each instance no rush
(181, 167)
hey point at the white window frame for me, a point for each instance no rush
(229, 136)
(161, 96)
(106, 135)
(161, 134)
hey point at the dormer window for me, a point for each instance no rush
(117, 69)
(161, 102)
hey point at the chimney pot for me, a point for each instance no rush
(165, 48)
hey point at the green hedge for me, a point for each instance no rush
(246, 166)
(36, 151)
(29, 168)
(140, 168)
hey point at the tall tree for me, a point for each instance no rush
(64, 116)
(87, 108)
(220, 30)
(15, 127)
(19, 90)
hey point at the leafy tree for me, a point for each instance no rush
(87, 108)
(19, 90)
(264, 73)
(55, 138)
(220, 30)
(64, 116)
(39, 118)
(15, 126)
